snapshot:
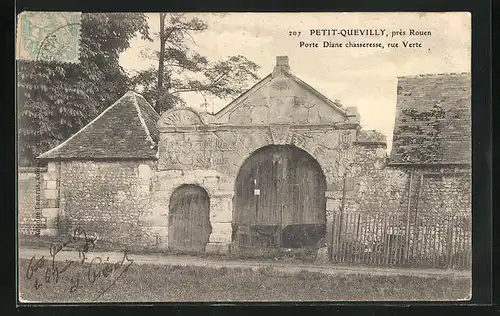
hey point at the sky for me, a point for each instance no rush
(362, 77)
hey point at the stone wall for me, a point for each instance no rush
(372, 187)
(445, 191)
(440, 199)
(29, 214)
(444, 200)
(106, 199)
(126, 202)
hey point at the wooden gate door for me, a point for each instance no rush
(189, 219)
(279, 200)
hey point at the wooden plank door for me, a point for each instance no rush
(255, 218)
(189, 221)
(279, 189)
(302, 200)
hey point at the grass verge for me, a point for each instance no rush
(154, 283)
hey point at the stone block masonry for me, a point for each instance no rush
(31, 184)
(50, 194)
(167, 181)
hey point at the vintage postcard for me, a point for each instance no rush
(177, 157)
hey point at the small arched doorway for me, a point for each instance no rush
(189, 218)
(279, 200)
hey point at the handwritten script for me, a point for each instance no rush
(99, 271)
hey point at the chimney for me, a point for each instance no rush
(352, 114)
(281, 66)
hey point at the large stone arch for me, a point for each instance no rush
(323, 162)
(313, 142)
(250, 153)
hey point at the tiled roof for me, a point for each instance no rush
(433, 120)
(126, 129)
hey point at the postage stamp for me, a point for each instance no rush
(49, 36)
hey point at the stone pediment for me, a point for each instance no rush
(281, 98)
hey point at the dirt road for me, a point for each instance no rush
(156, 259)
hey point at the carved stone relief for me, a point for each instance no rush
(313, 115)
(225, 151)
(280, 133)
(299, 101)
(301, 115)
(260, 113)
(281, 84)
(242, 115)
(180, 116)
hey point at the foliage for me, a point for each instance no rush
(181, 69)
(55, 100)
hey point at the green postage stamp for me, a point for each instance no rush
(49, 36)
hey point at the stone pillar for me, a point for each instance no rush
(158, 227)
(144, 181)
(333, 207)
(154, 216)
(50, 211)
(221, 211)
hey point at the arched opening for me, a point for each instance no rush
(189, 218)
(279, 200)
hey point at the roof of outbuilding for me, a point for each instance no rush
(433, 120)
(126, 129)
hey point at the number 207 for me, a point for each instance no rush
(294, 33)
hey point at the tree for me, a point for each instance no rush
(55, 100)
(181, 69)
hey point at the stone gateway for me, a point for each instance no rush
(270, 170)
